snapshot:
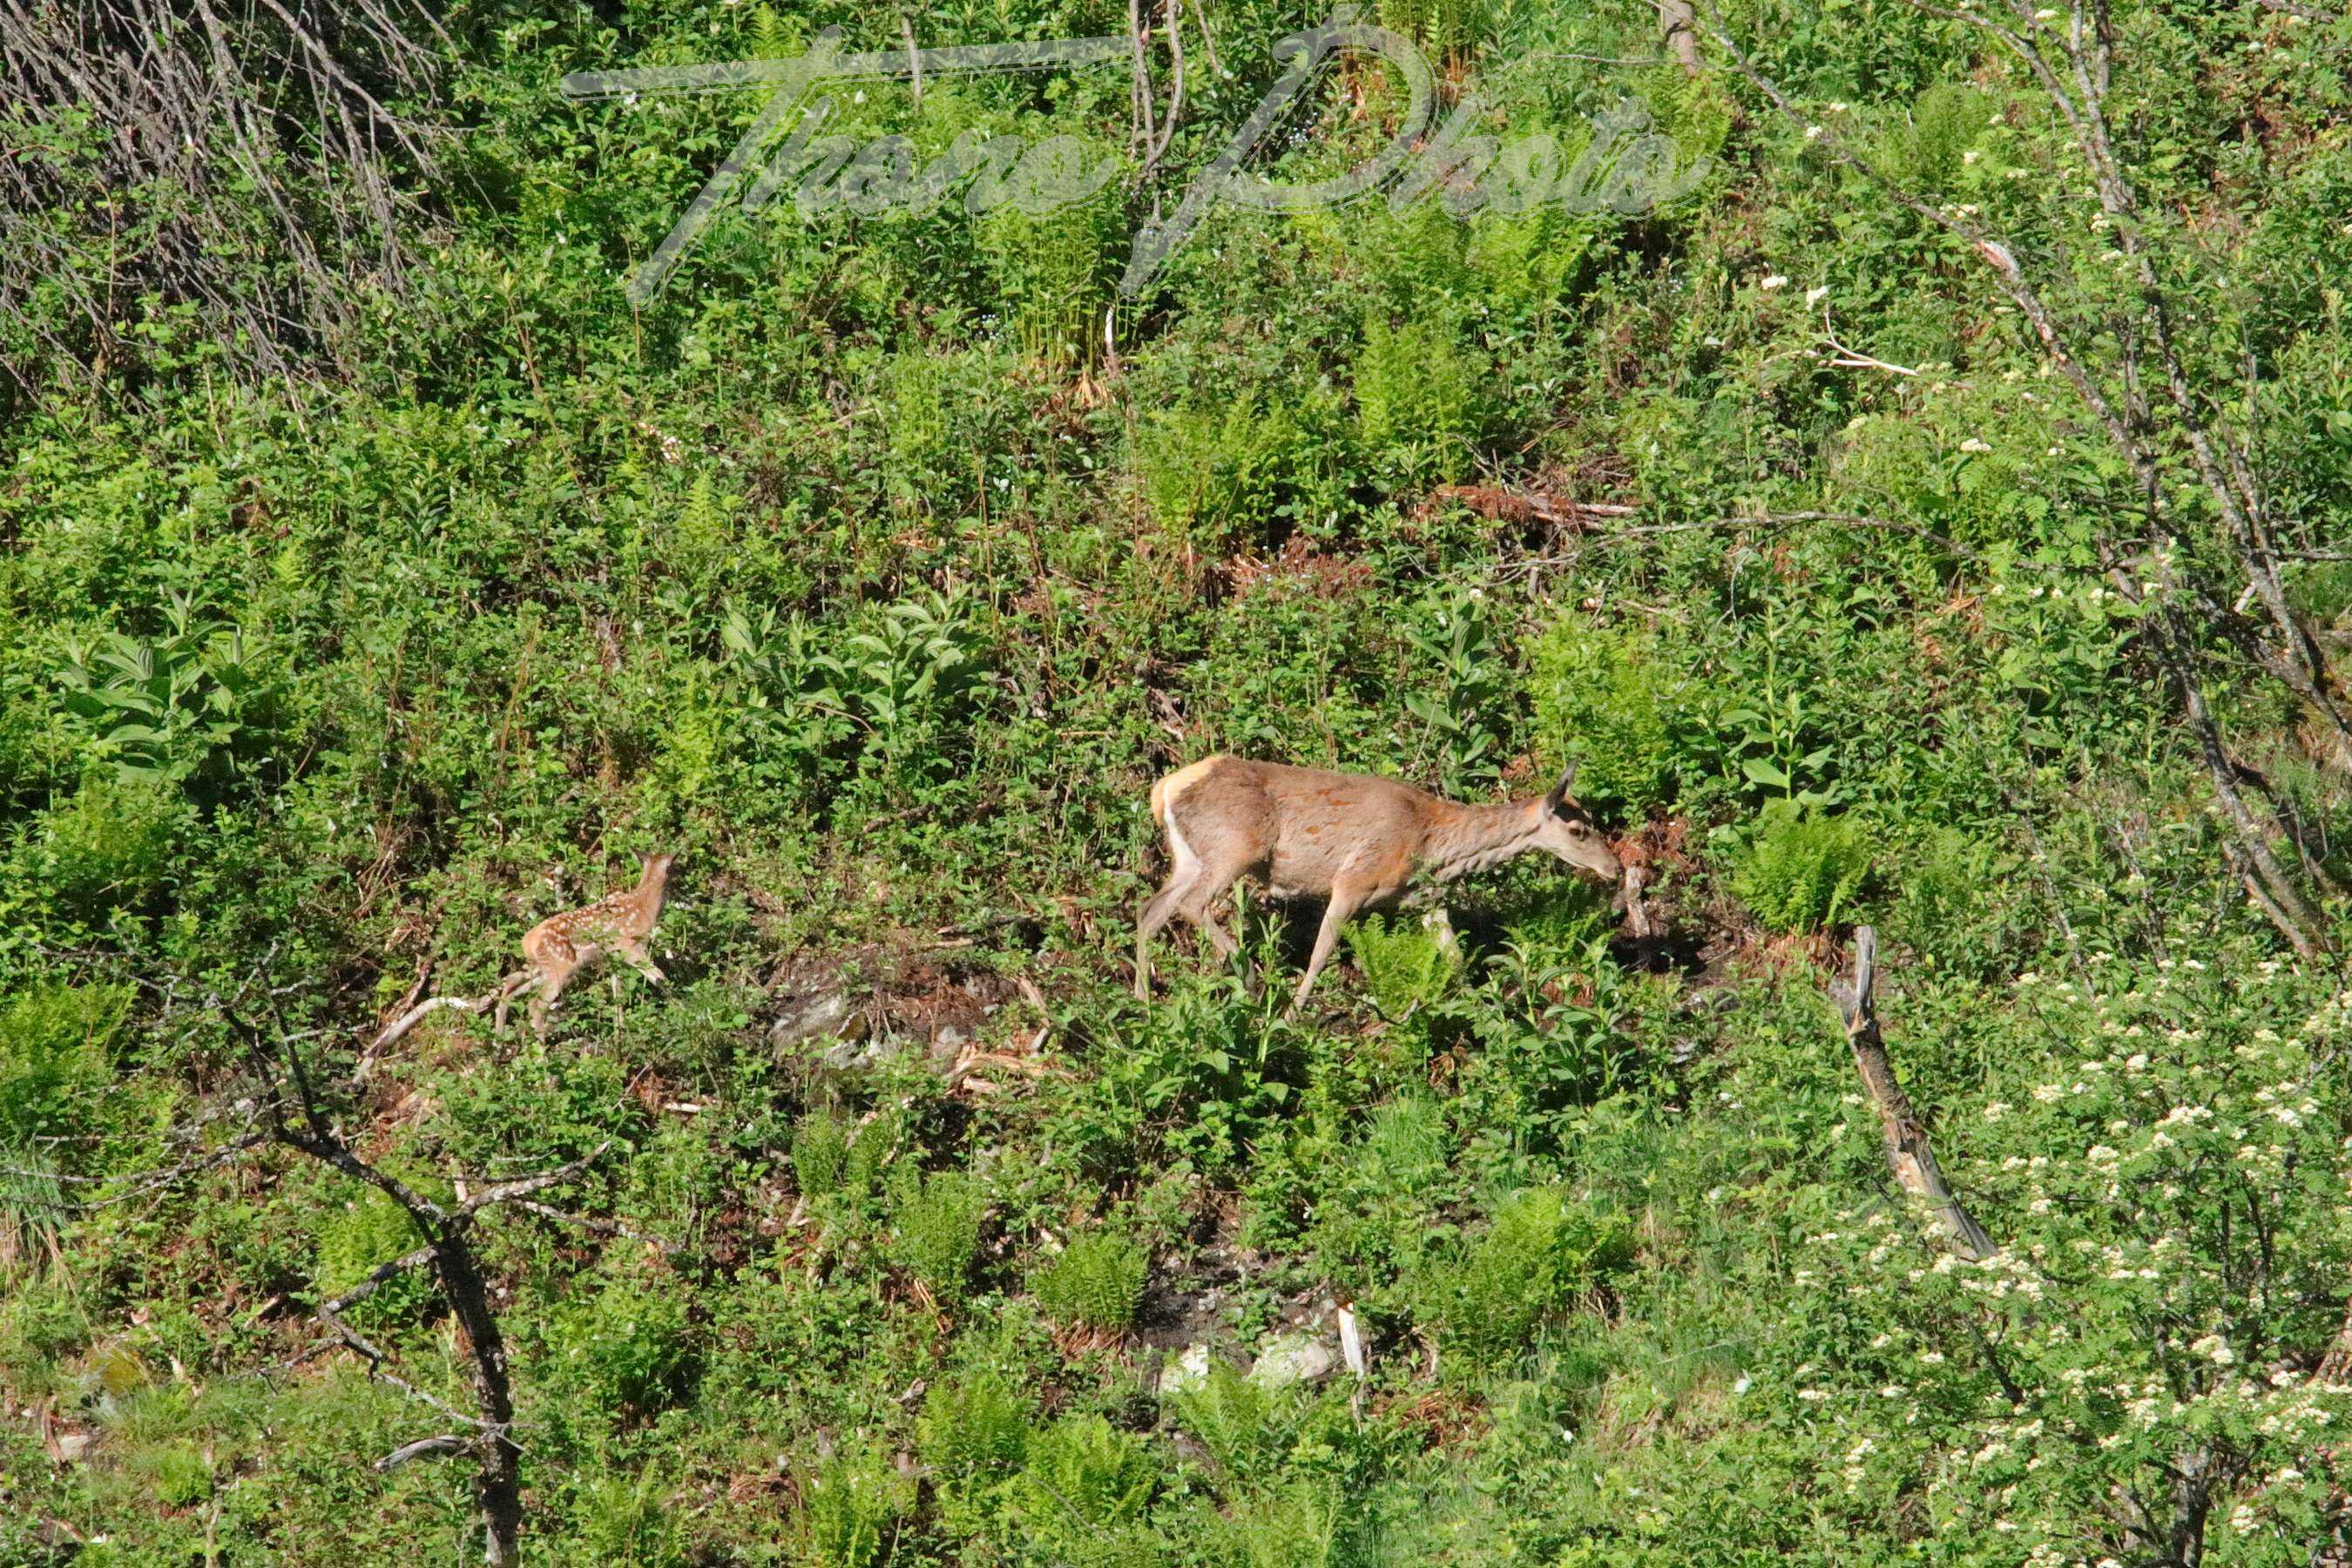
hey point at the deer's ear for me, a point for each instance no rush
(1559, 795)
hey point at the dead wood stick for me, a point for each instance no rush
(1679, 27)
(419, 1449)
(417, 1015)
(1908, 1154)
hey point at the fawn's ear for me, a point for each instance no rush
(1559, 795)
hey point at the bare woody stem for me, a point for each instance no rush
(1908, 1153)
(448, 1232)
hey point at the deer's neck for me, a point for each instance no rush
(651, 888)
(1468, 839)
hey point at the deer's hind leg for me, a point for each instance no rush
(1195, 882)
(554, 960)
(1182, 875)
(1147, 925)
(1198, 904)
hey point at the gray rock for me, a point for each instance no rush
(1189, 1369)
(1293, 1358)
(860, 1050)
(827, 1013)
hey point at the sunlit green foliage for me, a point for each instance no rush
(880, 564)
(1096, 1281)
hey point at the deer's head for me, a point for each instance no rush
(1568, 832)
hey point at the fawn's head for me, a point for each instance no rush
(1568, 832)
(656, 871)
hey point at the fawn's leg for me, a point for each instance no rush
(509, 989)
(634, 954)
(556, 967)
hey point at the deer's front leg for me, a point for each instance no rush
(1440, 926)
(634, 953)
(550, 991)
(554, 959)
(1346, 900)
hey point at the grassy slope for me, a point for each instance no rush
(835, 574)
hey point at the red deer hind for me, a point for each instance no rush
(1360, 841)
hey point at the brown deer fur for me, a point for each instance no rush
(559, 947)
(1359, 841)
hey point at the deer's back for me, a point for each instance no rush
(1300, 827)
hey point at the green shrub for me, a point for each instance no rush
(1224, 467)
(1802, 870)
(623, 1518)
(871, 1146)
(164, 706)
(820, 1150)
(109, 847)
(1561, 922)
(1601, 701)
(42, 1319)
(1085, 1486)
(1945, 121)
(1296, 1527)
(367, 1230)
(1528, 1265)
(1405, 968)
(1454, 28)
(53, 1052)
(180, 1474)
(852, 1511)
(1416, 395)
(1096, 1282)
(1055, 270)
(973, 1431)
(939, 1219)
(623, 1349)
(1949, 882)
(1244, 1425)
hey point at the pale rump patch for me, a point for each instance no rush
(1164, 794)
(1186, 861)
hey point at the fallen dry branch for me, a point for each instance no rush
(1908, 1154)
(1679, 27)
(393, 1031)
(421, 1449)
(424, 1009)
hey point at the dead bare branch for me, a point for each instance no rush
(1908, 1153)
